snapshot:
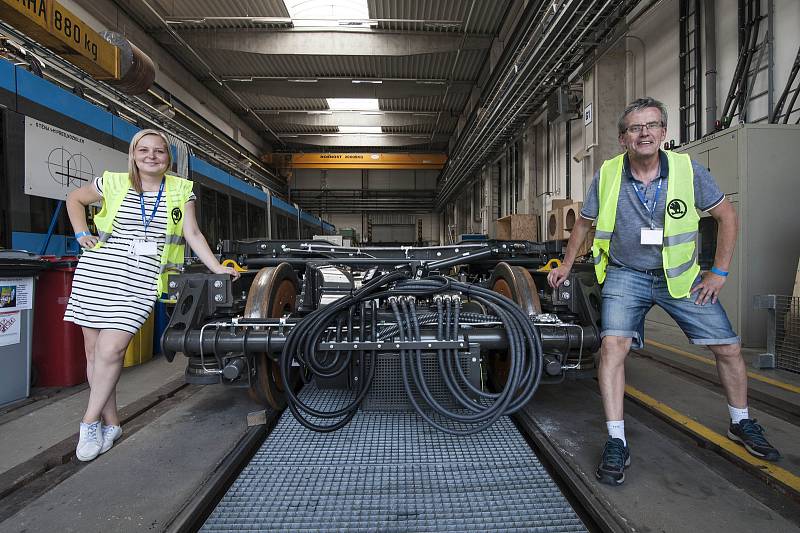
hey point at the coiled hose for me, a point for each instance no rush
(476, 409)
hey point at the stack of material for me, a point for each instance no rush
(561, 218)
(349, 234)
(336, 240)
(796, 291)
(518, 228)
(787, 333)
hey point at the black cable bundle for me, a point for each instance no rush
(524, 347)
(470, 416)
(301, 346)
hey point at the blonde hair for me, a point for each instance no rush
(133, 170)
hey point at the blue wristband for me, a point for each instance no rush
(82, 234)
(719, 272)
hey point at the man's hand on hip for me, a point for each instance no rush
(708, 288)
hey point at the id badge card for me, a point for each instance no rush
(652, 236)
(145, 248)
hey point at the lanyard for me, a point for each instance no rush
(147, 220)
(643, 198)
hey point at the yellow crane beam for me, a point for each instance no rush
(390, 161)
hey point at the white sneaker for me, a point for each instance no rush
(90, 441)
(110, 434)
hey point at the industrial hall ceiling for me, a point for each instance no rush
(453, 76)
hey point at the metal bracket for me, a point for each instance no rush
(392, 345)
(770, 303)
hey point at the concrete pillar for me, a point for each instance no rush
(608, 90)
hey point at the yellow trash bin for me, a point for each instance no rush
(140, 350)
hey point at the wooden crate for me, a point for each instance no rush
(518, 228)
(557, 204)
(555, 225)
(569, 214)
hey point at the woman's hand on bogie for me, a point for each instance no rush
(219, 269)
(87, 242)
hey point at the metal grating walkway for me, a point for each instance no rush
(390, 471)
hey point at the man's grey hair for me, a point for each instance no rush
(638, 105)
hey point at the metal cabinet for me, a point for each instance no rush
(758, 167)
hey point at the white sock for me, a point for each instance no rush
(616, 430)
(737, 415)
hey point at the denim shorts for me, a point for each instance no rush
(629, 294)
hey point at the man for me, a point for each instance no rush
(645, 202)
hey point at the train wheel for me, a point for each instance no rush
(516, 283)
(272, 295)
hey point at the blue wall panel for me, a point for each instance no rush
(8, 77)
(208, 170)
(45, 93)
(122, 129)
(311, 219)
(59, 245)
(49, 95)
(247, 189)
(280, 204)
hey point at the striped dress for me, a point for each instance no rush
(112, 288)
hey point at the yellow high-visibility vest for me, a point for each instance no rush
(177, 191)
(679, 252)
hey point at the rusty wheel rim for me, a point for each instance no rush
(515, 283)
(272, 295)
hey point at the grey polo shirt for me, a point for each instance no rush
(632, 216)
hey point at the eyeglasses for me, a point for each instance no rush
(637, 128)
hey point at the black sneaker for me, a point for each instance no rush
(616, 457)
(751, 436)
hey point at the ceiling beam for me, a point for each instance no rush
(345, 88)
(417, 112)
(347, 118)
(361, 140)
(330, 43)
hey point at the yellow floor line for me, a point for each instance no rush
(774, 382)
(783, 476)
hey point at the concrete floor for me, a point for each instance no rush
(164, 459)
(674, 484)
(149, 475)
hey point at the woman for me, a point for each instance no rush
(145, 217)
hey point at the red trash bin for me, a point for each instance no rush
(58, 353)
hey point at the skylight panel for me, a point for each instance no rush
(360, 129)
(346, 13)
(353, 104)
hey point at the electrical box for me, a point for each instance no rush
(755, 165)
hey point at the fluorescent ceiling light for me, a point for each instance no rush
(302, 80)
(354, 104)
(360, 129)
(315, 112)
(271, 20)
(185, 21)
(375, 82)
(370, 113)
(329, 13)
